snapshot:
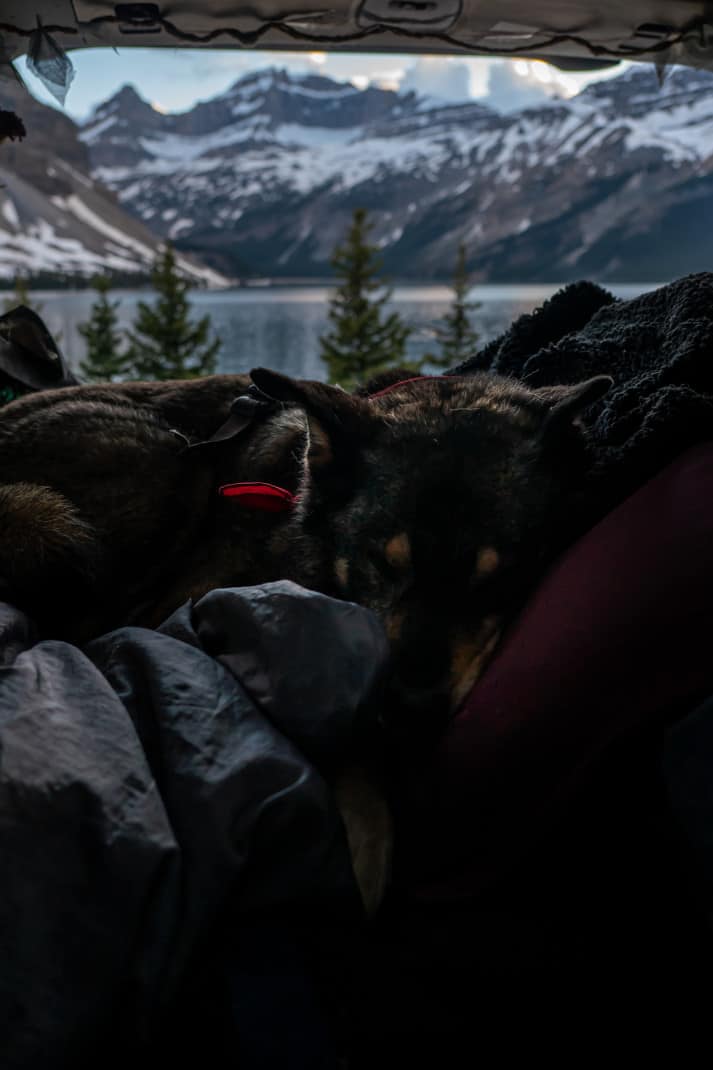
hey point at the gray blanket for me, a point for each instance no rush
(157, 781)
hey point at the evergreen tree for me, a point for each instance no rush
(457, 337)
(164, 343)
(20, 296)
(363, 340)
(104, 361)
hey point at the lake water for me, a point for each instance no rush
(279, 326)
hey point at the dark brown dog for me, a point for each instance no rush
(435, 504)
(106, 518)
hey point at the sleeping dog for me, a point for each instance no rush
(434, 502)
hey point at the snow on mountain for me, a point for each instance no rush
(58, 220)
(615, 183)
(263, 178)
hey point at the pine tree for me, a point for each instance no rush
(164, 343)
(364, 340)
(457, 337)
(20, 296)
(104, 361)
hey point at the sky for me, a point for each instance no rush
(175, 79)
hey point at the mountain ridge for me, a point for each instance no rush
(615, 184)
(262, 179)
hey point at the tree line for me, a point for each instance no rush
(163, 343)
(364, 337)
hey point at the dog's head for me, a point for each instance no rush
(434, 503)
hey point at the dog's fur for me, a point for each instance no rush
(106, 518)
(435, 504)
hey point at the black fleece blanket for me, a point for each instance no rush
(658, 348)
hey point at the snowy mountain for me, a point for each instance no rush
(55, 219)
(614, 183)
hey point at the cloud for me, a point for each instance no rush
(436, 76)
(177, 78)
(517, 84)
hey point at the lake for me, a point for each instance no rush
(279, 326)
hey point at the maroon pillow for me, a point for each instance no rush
(618, 633)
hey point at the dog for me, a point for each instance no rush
(434, 502)
(437, 503)
(106, 518)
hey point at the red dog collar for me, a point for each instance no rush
(264, 496)
(403, 382)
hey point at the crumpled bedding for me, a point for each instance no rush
(156, 781)
(658, 348)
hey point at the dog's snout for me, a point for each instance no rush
(420, 676)
(414, 674)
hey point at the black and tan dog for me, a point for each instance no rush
(434, 503)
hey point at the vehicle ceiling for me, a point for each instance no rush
(573, 34)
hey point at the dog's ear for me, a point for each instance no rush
(336, 419)
(564, 404)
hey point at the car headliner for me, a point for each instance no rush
(573, 34)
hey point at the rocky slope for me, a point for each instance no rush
(615, 183)
(55, 219)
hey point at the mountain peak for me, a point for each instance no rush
(127, 103)
(125, 110)
(641, 83)
(128, 94)
(270, 78)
